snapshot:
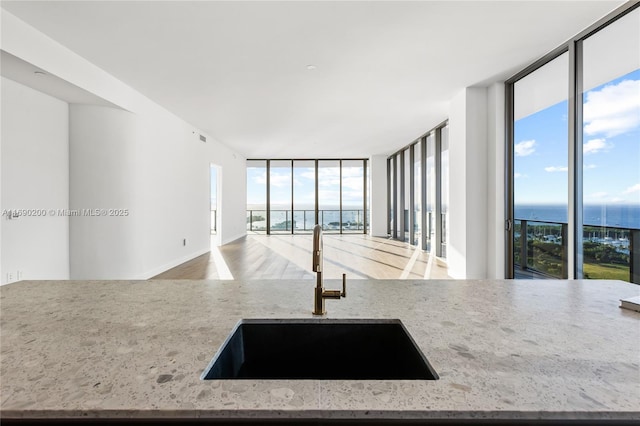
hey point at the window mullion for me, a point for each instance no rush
(438, 194)
(574, 245)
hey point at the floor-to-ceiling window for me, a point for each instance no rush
(574, 151)
(304, 196)
(291, 196)
(280, 196)
(329, 195)
(353, 196)
(611, 148)
(257, 195)
(406, 210)
(399, 196)
(444, 190)
(418, 192)
(540, 163)
(430, 183)
(391, 200)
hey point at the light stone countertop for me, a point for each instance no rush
(503, 349)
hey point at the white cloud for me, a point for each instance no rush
(524, 148)
(596, 145)
(352, 172)
(279, 180)
(329, 176)
(613, 110)
(328, 182)
(632, 189)
(552, 169)
(517, 175)
(261, 178)
(589, 166)
(598, 195)
(616, 200)
(309, 174)
(352, 183)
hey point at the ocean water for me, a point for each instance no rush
(304, 216)
(615, 216)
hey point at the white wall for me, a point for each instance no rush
(495, 180)
(378, 200)
(173, 167)
(35, 175)
(103, 175)
(169, 186)
(155, 168)
(468, 188)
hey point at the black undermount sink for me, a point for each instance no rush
(320, 349)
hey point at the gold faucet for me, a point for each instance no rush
(318, 260)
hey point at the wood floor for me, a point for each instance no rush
(289, 257)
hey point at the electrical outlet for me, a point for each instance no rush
(19, 275)
(9, 277)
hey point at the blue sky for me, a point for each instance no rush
(611, 148)
(304, 188)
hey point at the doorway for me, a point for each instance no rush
(214, 182)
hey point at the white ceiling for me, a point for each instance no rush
(385, 71)
(23, 72)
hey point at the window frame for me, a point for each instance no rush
(575, 165)
(397, 185)
(365, 206)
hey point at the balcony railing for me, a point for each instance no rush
(282, 221)
(611, 253)
(540, 250)
(540, 247)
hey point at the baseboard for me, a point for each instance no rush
(442, 262)
(232, 239)
(149, 274)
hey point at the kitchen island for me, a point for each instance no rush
(553, 351)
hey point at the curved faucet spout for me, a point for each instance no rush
(317, 249)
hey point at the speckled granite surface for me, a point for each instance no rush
(503, 349)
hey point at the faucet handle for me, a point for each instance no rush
(331, 294)
(336, 294)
